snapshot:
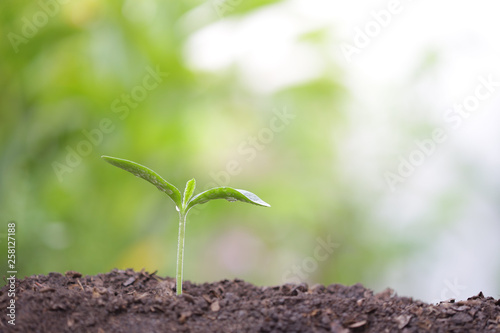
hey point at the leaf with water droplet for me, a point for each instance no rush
(228, 193)
(147, 174)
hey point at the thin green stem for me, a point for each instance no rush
(180, 251)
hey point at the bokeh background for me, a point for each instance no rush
(317, 106)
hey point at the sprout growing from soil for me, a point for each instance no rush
(184, 203)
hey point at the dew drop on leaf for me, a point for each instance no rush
(177, 209)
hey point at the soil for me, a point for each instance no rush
(129, 301)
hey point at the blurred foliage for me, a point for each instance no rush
(71, 76)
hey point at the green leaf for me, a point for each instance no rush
(228, 193)
(147, 174)
(188, 192)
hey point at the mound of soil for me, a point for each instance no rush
(129, 301)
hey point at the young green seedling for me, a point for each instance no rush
(184, 203)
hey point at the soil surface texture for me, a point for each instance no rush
(129, 301)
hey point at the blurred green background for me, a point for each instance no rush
(81, 79)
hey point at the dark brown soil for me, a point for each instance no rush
(128, 301)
